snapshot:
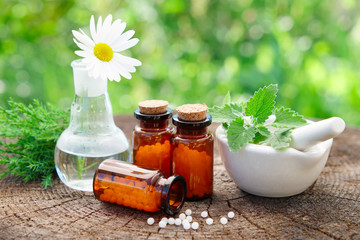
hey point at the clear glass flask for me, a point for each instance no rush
(92, 135)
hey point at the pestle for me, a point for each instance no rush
(313, 133)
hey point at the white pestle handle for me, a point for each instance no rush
(313, 133)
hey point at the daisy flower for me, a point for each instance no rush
(101, 52)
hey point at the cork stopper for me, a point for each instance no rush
(153, 107)
(192, 112)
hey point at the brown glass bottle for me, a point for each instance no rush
(143, 189)
(151, 141)
(192, 156)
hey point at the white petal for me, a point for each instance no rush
(123, 38)
(92, 29)
(104, 70)
(126, 45)
(82, 46)
(84, 54)
(121, 70)
(98, 28)
(107, 22)
(115, 31)
(83, 39)
(116, 74)
(96, 70)
(127, 60)
(88, 39)
(117, 77)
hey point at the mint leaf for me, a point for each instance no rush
(261, 134)
(227, 98)
(285, 117)
(262, 103)
(237, 109)
(279, 139)
(238, 136)
(226, 113)
(263, 131)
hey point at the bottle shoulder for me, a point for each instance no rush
(156, 131)
(208, 137)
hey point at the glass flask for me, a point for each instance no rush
(140, 188)
(151, 141)
(92, 135)
(192, 156)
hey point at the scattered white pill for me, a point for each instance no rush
(189, 218)
(231, 214)
(178, 221)
(204, 214)
(162, 224)
(164, 219)
(182, 216)
(195, 225)
(171, 221)
(209, 221)
(223, 220)
(185, 221)
(188, 212)
(186, 226)
(150, 221)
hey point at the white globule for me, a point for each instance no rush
(231, 214)
(171, 221)
(195, 225)
(204, 214)
(223, 220)
(189, 218)
(178, 221)
(164, 219)
(185, 221)
(162, 224)
(186, 226)
(209, 221)
(188, 212)
(182, 216)
(150, 221)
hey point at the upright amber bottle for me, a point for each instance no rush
(152, 148)
(143, 189)
(193, 150)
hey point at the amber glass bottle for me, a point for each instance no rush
(192, 156)
(143, 189)
(152, 148)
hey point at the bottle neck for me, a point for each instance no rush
(192, 133)
(173, 192)
(154, 124)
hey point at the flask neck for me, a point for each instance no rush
(172, 191)
(85, 85)
(92, 115)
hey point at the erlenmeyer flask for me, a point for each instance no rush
(92, 135)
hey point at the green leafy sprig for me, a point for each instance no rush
(28, 137)
(247, 122)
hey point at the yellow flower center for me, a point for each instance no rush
(103, 52)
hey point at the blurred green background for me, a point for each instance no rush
(193, 51)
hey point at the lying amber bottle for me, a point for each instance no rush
(143, 189)
(192, 156)
(152, 148)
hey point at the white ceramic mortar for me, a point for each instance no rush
(261, 170)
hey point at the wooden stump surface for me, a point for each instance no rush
(329, 209)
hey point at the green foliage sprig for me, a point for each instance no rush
(246, 122)
(28, 137)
